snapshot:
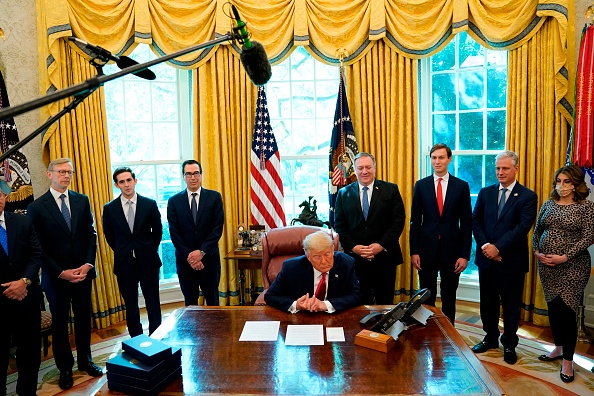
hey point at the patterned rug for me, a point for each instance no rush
(530, 376)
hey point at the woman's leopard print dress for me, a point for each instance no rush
(565, 229)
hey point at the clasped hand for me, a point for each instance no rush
(368, 252)
(311, 304)
(195, 260)
(550, 260)
(491, 252)
(76, 275)
(15, 290)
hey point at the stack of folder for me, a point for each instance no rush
(145, 367)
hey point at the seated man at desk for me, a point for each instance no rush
(331, 274)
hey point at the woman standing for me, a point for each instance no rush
(564, 230)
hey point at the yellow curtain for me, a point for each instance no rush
(538, 132)
(381, 40)
(382, 88)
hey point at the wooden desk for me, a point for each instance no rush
(430, 359)
(246, 262)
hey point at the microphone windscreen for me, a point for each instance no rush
(256, 63)
(125, 62)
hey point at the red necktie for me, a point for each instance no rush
(439, 196)
(321, 290)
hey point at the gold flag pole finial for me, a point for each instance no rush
(589, 11)
(2, 34)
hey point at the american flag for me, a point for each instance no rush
(343, 148)
(266, 184)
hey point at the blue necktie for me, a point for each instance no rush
(194, 207)
(501, 202)
(365, 202)
(3, 237)
(65, 211)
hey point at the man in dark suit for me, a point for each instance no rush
(320, 281)
(133, 229)
(64, 224)
(441, 230)
(20, 259)
(196, 221)
(369, 217)
(502, 217)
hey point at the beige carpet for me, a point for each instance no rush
(530, 376)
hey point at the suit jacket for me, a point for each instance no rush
(205, 235)
(509, 232)
(384, 224)
(64, 249)
(453, 228)
(24, 258)
(145, 239)
(296, 278)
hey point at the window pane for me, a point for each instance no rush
(136, 102)
(444, 59)
(490, 176)
(496, 130)
(139, 144)
(470, 168)
(471, 53)
(496, 87)
(471, 90)
(166, 144)
(444, 129)
(444, 92)
(164, 102)
(471, 131)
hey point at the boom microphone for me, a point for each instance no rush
(253, 55)
(106, 56)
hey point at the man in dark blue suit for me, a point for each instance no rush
(196, 221)
(64, 224)
(320, 281)
(369, 218)
(502, 218)
(20, 259)
(441, 230)
(133, 229)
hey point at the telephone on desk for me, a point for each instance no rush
(401, 312)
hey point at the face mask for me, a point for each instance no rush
(564, 191)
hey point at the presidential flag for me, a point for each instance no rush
(343, 148)
(583, 123)
(266, 185)
(14, 170)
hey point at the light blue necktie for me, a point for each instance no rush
(501, 202)
(365, 202)
(194, 207)
(65, 211)
(3, 237)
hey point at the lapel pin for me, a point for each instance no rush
(376, 187)
(516, 194)
(336, 275)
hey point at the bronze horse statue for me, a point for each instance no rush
(308, 215)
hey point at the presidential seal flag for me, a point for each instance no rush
(15, 169)
(266, 185)
(343, 148)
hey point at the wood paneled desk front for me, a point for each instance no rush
(430, 360)
(246, 262)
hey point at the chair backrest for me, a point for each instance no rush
(280, 244)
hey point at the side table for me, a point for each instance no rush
(246, 262)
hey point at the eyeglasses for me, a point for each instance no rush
(189, 175)
(64, 172)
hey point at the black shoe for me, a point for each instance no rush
(65, 382)
(92, 369)
(566, 378)
(509, 355)
(484, 346)
(546, 358)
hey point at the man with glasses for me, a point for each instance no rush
(64, 224)
(20, 259)
(196, 221)
(320, 281)
(133, 229)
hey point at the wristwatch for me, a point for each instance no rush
(26, 280)
(203, 253)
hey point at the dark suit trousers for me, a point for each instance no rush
(22, 323)
(505, 288)
(377, 281)
(448, 286)
(60, 294)
(207, 281)
(148, 278)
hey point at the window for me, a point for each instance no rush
(301, 101)
(149, 129)
(463, 104)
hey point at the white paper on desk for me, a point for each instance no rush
(260, 330)
(422, 314)
(334, 334)
(305, 335)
